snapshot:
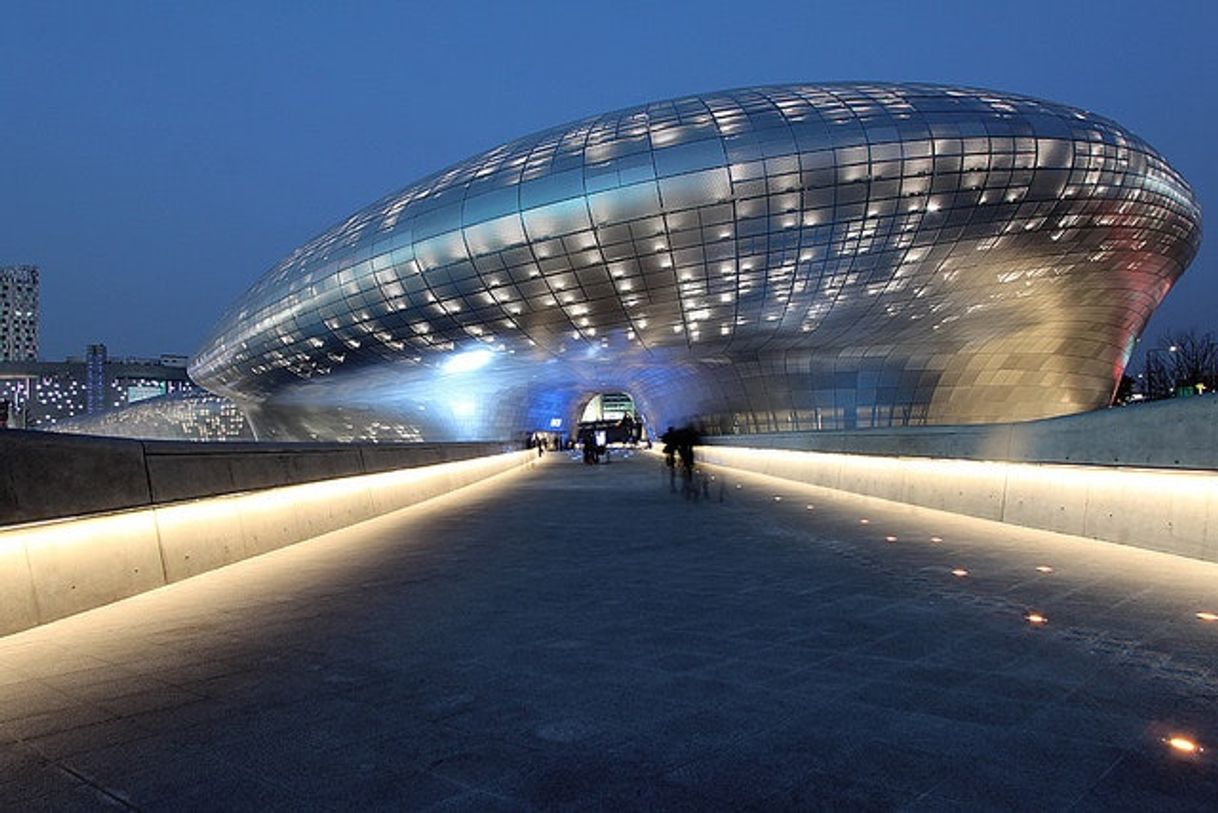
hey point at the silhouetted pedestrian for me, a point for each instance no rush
(670, 456)
(685, 450)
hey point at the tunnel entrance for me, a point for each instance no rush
(611, 418)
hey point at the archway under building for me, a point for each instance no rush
(611, 418)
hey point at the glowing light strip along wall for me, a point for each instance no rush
(1161, 510)
(49, 570)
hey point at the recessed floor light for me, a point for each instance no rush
(1208, 616)
(1036, 619)
(777, 498)
(1184, 745)
(890, 539)
(864, 522)
(1043, 569)
(961, 572)
(936, 539)
(810, 506)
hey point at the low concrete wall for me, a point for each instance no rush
(1180, 433)
(49, 570)
(1173, 511)
(44, 475)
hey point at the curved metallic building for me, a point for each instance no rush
(769, 259)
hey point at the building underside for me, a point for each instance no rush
(768, 259)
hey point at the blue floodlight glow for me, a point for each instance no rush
(468, 361)
(463, 408)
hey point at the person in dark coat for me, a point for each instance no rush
(669, 439)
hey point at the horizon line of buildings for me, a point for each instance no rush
(73, 394)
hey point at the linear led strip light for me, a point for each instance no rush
(52, 569)
(1164, 510)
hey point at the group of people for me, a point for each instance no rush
(595, 446)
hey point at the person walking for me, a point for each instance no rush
(685, 450)
(670, 456)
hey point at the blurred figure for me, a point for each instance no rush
(685, 451)
(669, 439)
(679, 445)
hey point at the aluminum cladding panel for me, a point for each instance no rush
(765, 259)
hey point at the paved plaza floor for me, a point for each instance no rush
(570, 636)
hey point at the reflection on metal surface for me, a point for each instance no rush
(195, 415)
(767, 259)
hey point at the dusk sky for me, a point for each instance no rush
(157, 158)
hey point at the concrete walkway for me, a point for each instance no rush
(571, 636)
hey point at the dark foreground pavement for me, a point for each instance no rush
(572, 637)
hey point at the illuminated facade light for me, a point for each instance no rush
(468, 362)
(811, 288)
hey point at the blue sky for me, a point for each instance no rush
(156, 158)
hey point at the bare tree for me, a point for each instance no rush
(1184, 358)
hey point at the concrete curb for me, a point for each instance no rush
(44, 475)
(50, 570)
(1172, 511)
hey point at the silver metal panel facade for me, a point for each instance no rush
(768, 259)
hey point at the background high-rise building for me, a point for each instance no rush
(95, 379)
(19, 313)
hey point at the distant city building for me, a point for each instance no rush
(19, 313)
(95, 379)
(40, 395)
(609, 406)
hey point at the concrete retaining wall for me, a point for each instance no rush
(1174, 511)
(44, 475)
(49, 570)
(1180, 433)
